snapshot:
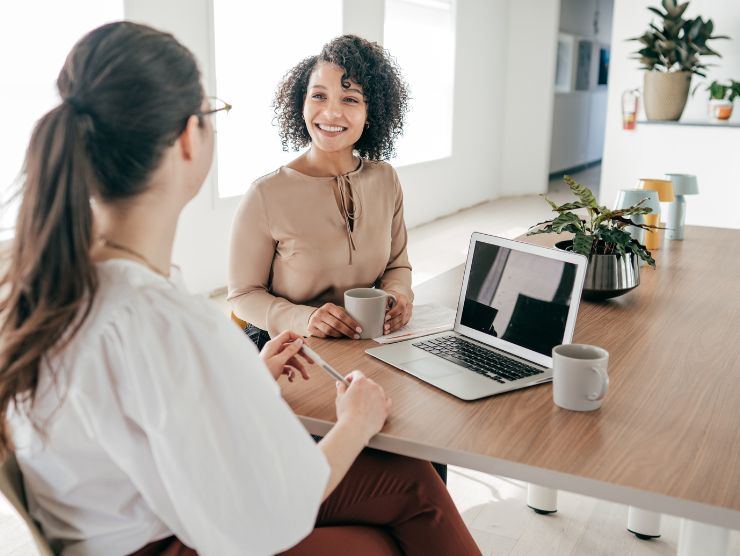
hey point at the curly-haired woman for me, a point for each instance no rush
(332, 219)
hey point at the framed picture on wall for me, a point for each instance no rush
(603, 77)
(564, 63)
(583, 66)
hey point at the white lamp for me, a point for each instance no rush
(683, 184)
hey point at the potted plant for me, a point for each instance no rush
(721, 97)
(671, 51)
(613, 255)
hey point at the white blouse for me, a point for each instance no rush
(160, 419)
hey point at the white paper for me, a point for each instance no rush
(425, 320)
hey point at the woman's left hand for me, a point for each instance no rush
(399, 314)
(281, 356)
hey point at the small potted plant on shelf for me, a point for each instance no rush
(721, 97)
(671, 52)
(599, 233)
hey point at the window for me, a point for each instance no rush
(420, 34)
(256, 43)
(34, 42)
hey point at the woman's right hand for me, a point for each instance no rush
(333, 321)
(362, 405)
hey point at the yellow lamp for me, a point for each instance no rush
(664, 188)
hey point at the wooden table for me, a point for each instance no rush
(667, 438)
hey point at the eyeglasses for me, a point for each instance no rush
(215, 105)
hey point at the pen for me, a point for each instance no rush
(323, 364)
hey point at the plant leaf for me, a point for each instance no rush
(565, 219)
(582, 192)
(622, 222)
(582, 243)
(571, 206)
(552, 204)
(614, 237)
(534, 230)
(641, 251)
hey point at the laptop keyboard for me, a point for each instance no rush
(478, 359)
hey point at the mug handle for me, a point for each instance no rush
(391, 301)
(596, 396)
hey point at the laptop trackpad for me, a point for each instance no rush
(430, 368)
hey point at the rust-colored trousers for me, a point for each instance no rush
(386, 505)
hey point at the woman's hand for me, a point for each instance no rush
(333, 321)
(398, 315)
(362, 405)
(281, 356)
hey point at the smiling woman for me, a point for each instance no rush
(332, 219)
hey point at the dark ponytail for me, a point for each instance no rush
(127, 92)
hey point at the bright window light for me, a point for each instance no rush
(256, 44)
(34, 41)
(420, 34)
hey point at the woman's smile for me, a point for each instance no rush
(330, 130)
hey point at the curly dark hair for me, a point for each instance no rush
(368, 64)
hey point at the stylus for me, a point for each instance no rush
(323, 364)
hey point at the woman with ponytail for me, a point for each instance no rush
(142, 419)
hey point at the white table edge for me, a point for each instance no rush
(661, 503)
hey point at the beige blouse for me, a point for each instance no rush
(299, 241)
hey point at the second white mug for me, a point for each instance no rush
(579, 379)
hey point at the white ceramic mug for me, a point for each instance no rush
(579, 379)
(368, 306)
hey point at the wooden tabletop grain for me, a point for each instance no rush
(667, 437)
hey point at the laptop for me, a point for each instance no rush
(517, 302)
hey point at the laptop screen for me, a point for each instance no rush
(519, 297)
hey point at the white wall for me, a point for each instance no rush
(201, 242)
(529, 83)
(504, 73)
(652, 150)
(471, 174)
(579, 117)
(364, 18)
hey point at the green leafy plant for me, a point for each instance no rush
(599, 231)
(676, 43)
(721, 91)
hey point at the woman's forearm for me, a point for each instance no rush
(259, 307)
(341, 446)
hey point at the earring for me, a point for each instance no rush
(367, 125)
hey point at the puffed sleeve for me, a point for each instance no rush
(251, 252)
(397, 274)
(201, 428)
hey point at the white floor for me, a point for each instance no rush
(494, 508)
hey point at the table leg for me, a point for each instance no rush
(700, 538)
(542, 500)
(645, 525)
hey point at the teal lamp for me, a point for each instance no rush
(628, 197)
(683, 184)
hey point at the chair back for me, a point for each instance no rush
(11, 486)
(239, 322)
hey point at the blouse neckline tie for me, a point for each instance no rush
(349, 207)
